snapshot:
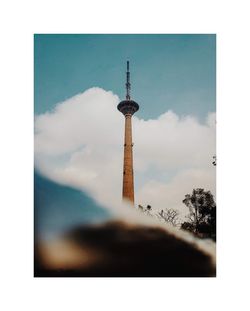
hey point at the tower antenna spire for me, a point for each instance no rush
(128, 85)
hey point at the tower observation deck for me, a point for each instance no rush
(128, 107)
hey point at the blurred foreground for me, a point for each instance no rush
(117, 248)
(76, 236)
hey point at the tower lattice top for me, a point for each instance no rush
(128, 106)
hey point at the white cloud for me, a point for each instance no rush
(80, 144)
(172, 193)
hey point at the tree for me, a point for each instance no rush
(147, 210)
(202, 213)
(170, 216)
(214, 161)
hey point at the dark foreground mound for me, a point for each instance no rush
(119, 249)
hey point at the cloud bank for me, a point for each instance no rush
(80, 144)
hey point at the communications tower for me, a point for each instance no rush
(128, 107)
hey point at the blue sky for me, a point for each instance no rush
(174, 72)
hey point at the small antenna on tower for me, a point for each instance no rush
(128, 82)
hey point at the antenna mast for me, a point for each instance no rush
(128, 82)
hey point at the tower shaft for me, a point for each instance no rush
(128, 175)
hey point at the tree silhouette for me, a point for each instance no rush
(170, 216)
(202, 213)
(147, 210)
(214, 161)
